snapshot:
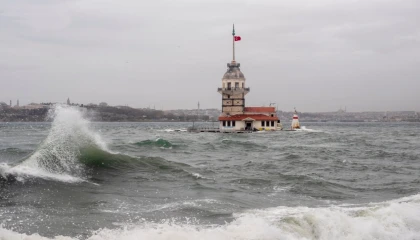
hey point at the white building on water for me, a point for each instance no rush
(236, 117)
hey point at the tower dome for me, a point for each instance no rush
(233, 71)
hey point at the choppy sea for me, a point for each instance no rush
(76, 179)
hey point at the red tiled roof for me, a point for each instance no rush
(259, 109)
(240, 117)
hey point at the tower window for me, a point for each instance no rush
(236, 85)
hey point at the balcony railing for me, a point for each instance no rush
(236, 89)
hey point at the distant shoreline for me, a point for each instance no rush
(95, 113)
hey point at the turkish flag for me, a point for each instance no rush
(237, 38)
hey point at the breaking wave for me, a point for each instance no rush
(57, 157)
(100, 159)
(71, 149)
(396, 219)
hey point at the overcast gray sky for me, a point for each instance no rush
(312, 55)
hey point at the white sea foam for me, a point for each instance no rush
(173, 130)
(167, 130)
(21, 173)
(198, 176)
(180, 204)
(304, 129)
(396, 219)
(263, 131)
(279, 189)
(57, 156)
(10, 235)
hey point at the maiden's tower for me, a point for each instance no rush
(236, 117)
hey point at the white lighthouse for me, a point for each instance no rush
(295, 121)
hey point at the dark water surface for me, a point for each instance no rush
(89, 180)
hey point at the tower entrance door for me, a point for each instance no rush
(248, 126)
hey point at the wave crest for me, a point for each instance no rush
(57, 157)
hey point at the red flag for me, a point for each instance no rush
(237, 38)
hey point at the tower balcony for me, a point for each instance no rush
(232, 91)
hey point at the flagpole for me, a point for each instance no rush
(233, 38)
(233, 42)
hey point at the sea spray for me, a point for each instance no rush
(58, 155)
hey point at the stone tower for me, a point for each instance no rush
(233, 88)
